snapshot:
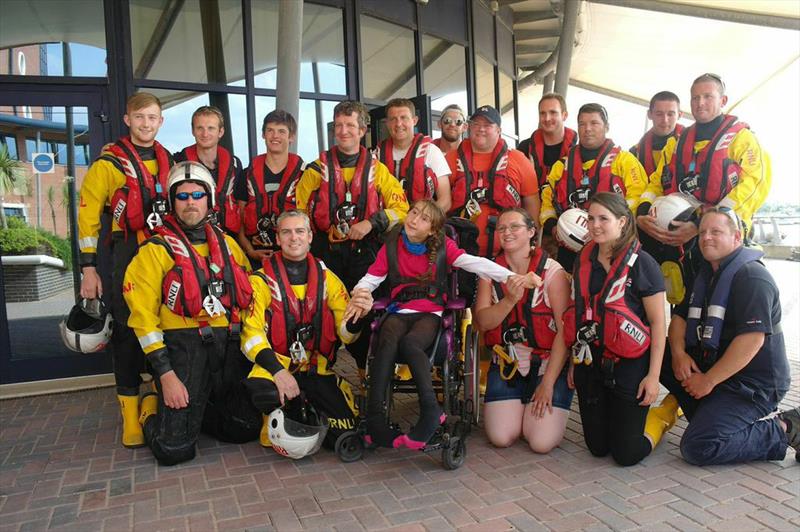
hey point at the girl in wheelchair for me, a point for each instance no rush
(526, 389)
(415, 258)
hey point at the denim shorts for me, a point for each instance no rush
(522, 388)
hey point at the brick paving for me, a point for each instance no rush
(62, 467)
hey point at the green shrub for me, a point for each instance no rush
(20, 239)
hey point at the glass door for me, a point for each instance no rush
(37, 241)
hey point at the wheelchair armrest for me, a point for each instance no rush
(381, 303)
(457, 303)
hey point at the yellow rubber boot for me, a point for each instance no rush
(132, 435)
(263, 438)
(148, 407)
(661, 418)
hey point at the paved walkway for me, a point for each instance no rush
(61, 467)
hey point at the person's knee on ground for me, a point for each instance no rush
(503, 421)
(545, 434)
(701, 445)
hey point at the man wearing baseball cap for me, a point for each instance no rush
(489, 177)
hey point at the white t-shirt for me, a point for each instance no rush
(434, 159)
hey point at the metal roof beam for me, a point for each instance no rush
(523, 49)
(528, 35)
(523, 17)
(726, 15)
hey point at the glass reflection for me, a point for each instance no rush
(484, 81)
(445, 72)
(387, 59)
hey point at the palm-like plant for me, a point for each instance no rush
(12, 172)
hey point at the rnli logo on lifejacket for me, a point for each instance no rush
(176, 246)
(617, 290)
(514, 194)
(119, 210)
(633, 331)
(172, 294)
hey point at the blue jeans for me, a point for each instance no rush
(725, 426)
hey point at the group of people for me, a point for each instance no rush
(236, 287)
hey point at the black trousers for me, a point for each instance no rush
(613, 422)
(126, 353)
(349, 260)
(172, 433)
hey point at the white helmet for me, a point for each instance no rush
(295, 431)
(87, 327)
(573, 228)
(193, 172)
(675, 207)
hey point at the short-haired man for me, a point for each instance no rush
(128, 180)
(186, 287)
(291, 331)
(664, 112)
(727, 360)
(269, 186)
(208, 127)
(410, 156)
(489, 177)
(551, 141)
(352, 200)
(595, 165)
(452, 124)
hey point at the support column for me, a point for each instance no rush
(549, 82)
(290, 47)
(566, 44)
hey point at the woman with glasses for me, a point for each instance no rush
(526, 392)
(616, 327)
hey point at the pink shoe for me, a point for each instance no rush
(404, 440)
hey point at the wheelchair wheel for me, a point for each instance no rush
(472, 396)
(454, 454)
(349, 446)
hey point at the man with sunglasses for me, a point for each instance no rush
(595, 165)
(552, 139)
(292, 329)
(489, 177)
(128, 181)
(186, 288)
(412, 158)
(726, 361)
(452, 124)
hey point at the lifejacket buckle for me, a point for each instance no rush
(216, 288)
(153, 220)
(264, 226)
(206, 333)
(298, 352)
(160, 207)
(587, 333)
(213, 306)
(472, 208)
(579, 197)
(514, 335)
(479, 195)
(689, 184)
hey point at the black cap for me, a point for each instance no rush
(488, 112)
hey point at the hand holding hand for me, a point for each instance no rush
(359, 230)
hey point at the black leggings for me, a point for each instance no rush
(405, 339)
(126, 352)
(612, 419)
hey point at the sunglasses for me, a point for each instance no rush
(196, 195)
(715, 77)
(452, 121)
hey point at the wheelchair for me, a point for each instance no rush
(454, 362)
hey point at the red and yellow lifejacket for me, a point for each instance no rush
(418, 180)
(536, 152)
(577, 186)
(709, 175)
(132, 203)
(644, 150)
(262, 203)
(492, 188)
(620, 333)
(530, 312)
(228, 215)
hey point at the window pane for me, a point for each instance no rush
(176, 132)
(507, 104)
(387, 59)
(313, 127)
(445, 74)
(265, 45)
(33, 33)
(11, 144)
(484, 74)
(192, 41)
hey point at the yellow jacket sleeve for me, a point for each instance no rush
(337, 301)
(548, 210)
(755, 179)
(142, 292)
(391, 191)
(238, 255)
(254, 334)
(309, 182)
(628, 167)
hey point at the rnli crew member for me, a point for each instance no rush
(488, 177)
(551, 141)
(727, 360)
(410, 156)
(595, 165)
(128, 179)
(617, 329)
(352, 200)
(664, 112)
(208, 127)
(717, 160)
(452, 124)
(186, 287)
(291, 331)
(269, 186)
(527, 391)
